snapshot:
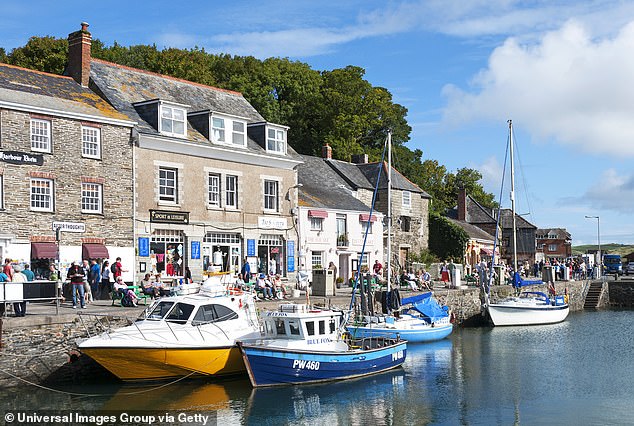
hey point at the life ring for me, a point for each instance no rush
(234, 291)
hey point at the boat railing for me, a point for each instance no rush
(370, 342)
(103, 322)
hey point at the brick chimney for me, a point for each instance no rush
(326, 152)
(462, 204)
(79, 55)
(360, 158)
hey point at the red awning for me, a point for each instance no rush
(366, 218)
(488, 252)
(44, 250)
(318, 213)
(94, 251)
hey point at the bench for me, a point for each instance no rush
(116, 296)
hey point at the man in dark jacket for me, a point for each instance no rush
(76, 276)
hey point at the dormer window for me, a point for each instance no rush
(228, 130)
(276, 140)
(172, 120)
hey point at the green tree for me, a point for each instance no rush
(446, 240)
(46, 54)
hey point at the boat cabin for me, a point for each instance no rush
(180, 312)
(293, 321)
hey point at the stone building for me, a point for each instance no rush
(332, 222)
(410, 204)
(212, 179)
(66, 163)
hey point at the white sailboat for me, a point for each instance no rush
(530, 307)
(420, 318)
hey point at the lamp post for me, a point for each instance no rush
(296, 224)
(598, 242)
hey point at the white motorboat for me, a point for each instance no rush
(178, 336)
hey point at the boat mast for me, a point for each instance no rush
(513, 195)
(389, 208)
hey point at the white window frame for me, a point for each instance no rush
(42, 194)
(91, 198)
(40, 131)
(213, 189)
(316, 259)
(277, 142)
(218, 130)
(316, 224)
(91, 142)
(163, 115)
(231, 191)
(407, 199)
(239, 137)
(164, 185)
(270, 197)
(552, 247)
(366, 224)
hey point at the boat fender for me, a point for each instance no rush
(452, 317)
(234, 291)
(240, 303)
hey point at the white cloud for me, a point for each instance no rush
(491, 171)
(612, 191)
(569, 87)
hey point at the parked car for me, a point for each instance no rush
(629, 269)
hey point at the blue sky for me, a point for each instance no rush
(561, 70)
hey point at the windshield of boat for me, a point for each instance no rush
(160, 310)
(180, 313)
(213, 313)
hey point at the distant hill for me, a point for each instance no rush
(611, 248)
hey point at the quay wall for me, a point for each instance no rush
(621, 294)
(44, 349)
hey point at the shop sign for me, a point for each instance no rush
(165, 216)
(195, 249)
(21, 158)
(290, 262)
(144, 247)
(272, 223)
(250, 247)
(69, 226)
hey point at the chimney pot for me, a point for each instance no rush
(84, 26)
(326, 152)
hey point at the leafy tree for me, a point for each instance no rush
(446, 240)
(46, 54)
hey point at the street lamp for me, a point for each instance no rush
(598, 242)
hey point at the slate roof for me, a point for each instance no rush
(365, 175)
(473, 231)
(124, 86)
(476, 213)
(563, 234)
(506, 220)
(54, 92)
(324, 188)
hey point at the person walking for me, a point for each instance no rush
(105, 287)
(94, 279)
(8, 269)
(246, 271)
(76, 276)
(18, 277)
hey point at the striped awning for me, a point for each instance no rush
(318, 213)
(366, 218)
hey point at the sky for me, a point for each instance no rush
(562, 71)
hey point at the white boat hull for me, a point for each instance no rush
(526, 314)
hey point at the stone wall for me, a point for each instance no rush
(66, 166)
(48, 353)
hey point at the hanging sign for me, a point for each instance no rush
(165, 216)
(21, 158)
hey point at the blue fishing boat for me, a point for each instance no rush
(421, 319)
(301, 345)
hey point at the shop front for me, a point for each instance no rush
(166, 252)
(271, 254)
(222, 251)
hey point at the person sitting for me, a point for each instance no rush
(425, 280)
(278, 288)
(406, 280)
(148, 287)
(264, 285)
(412, 281)
(239, 282)
(122, 288)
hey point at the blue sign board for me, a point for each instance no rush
(290, 250)
(195, 249)
(144, 247)
(250, 247)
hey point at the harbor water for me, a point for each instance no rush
(577, 372)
